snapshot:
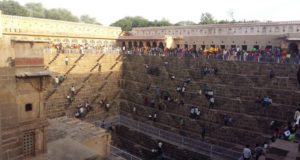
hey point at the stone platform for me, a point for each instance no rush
(72, 139)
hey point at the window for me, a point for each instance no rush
(28, 107)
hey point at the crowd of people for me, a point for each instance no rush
(268, 55)
(83, 48)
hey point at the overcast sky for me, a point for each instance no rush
(108, 11)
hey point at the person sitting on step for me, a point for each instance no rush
(87, 106)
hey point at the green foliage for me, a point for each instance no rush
(61, 14)
(207, 18)
(88, 19)
(127, 23)
(36, 10)
(162, 22)
(185, 23)
(13, 8)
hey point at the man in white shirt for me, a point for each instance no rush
(67, 60)
(56, 80)
(247, 153)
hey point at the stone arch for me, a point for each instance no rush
(154, 44)
(148, 44)
(293, 48)
(130, 45)
(135, 44)
(161, 45)
(141, 44)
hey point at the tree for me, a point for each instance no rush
(61, 14)
(88, 19)
(162, 22)
(127, 23)
(10, 7)
(207, 18)
(36, 10)
(185, 23)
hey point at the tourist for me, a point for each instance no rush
(172, 76)
(56, 81)
(187, 81)
(87, 105)
(107, 107)
(227, 120)
(77, 114)
(199, 92)
(209, 94)
(61, 79)
(79, 106)
(298, 76)
(154, 117)
(271, 74)
(211, 102)
(266, 102)
(160, 151)
(152, 103)
(72, 89)
(297, 117)
(258, 151)
(157, 92)
(70, 99)
(178, 89)
(150, 117)
(111, 128)
(192, 112)
(148, 86)
(197, 113)
(203, 133)
(182, 92)
(66, 60)
(134, 109)
(99, 67)
(247, 153)
(258, 100)
(102, 124)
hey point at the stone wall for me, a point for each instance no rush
(15, 25)
(236, 86)
(92, 83)
(269, 28)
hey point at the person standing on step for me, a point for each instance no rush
(258, 151)
(99, 67)
(203, 132)
(72, 91)
(298, 76)
(160, 151)
(297, 117)
(56, 81)
(247, 154)
(211, 102)
(66, 60)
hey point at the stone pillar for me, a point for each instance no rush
(1, 24)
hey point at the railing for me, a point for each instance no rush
(77, 51)
(122, 154)
(213, 151)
